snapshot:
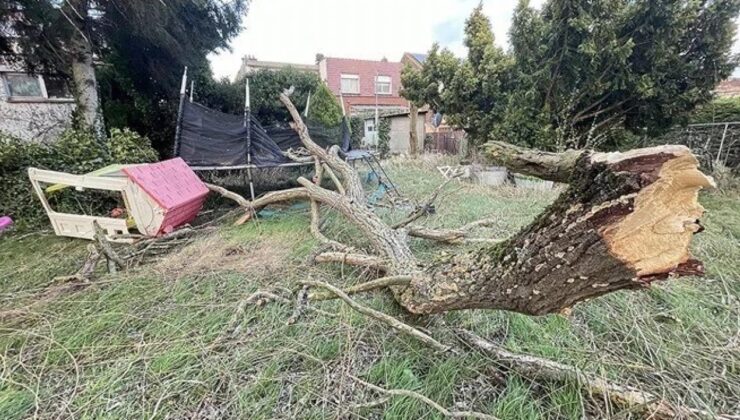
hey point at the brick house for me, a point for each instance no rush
(729, 88)
(364, 83)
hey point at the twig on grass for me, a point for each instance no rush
(424, 209)
(301, 304)
(380, 316)
(426, 400)
(642, 402)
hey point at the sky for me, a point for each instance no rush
(296, 30)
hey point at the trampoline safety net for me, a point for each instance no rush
(212, 138)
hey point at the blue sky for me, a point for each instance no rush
(295, 30)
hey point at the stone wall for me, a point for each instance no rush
(41, 120)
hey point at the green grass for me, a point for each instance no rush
(137, 344)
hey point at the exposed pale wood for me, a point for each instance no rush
(655, 236)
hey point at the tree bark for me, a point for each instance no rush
(83, 71)
(86, 94)
(413, 135)
(625, 220)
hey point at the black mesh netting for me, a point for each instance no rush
(212, 138)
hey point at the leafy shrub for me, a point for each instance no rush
(75, 152)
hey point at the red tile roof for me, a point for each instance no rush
(728, 88)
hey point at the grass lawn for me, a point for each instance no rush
(139, 344)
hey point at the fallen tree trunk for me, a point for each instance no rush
(625, 220)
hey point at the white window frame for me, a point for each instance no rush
(386, 79)
(42, 85)
(344, 76)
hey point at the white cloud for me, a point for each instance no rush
(295, 30)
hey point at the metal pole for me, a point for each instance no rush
(721, 144)
(377, 123)
(308, 103)
(248, 125)
(178, 123)
(192, 89)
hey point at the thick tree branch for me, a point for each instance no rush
(380, 283)
(352, 182)
(625, 220)
(355, 259)
(556, 167)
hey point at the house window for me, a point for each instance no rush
(57, 87)
(26, 87)
(23, 85)
(383, 85)
(350, 83)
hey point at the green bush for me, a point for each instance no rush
(75, 152)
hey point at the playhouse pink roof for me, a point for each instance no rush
(171, 183)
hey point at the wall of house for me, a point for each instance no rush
(41, 121)
(399, 135)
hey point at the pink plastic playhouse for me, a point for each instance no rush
(159, 197)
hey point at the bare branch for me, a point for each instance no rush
(426, 400)
(425, 208)
(352, 181)
(365, 287)
(356, 259)
(380, 316)
(649, 405)
(107, 248)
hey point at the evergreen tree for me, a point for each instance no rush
(324, 107)
(579, 71)
(142, 44)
